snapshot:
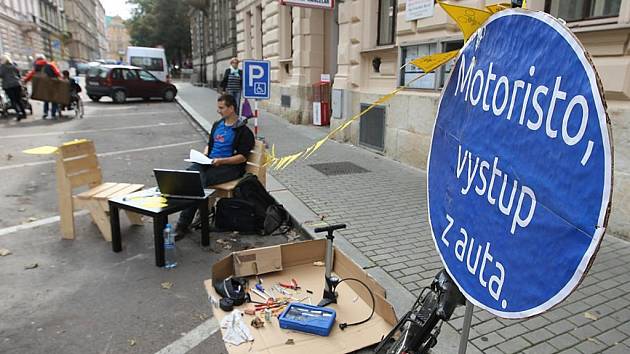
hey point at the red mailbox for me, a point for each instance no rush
(321, 103)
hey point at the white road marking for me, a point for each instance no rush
(192, 338)
(113, 153)
(92, 130)
(92, 116)
(37, 223)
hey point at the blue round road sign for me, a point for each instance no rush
(519, 171)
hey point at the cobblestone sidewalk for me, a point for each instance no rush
(384, 204)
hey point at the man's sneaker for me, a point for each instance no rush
(180, 232)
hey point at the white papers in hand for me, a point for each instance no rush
(196, 156)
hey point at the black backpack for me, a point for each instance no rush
(252, 209)
(233, 214)
(249, 188)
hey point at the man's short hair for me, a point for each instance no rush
(228, 100)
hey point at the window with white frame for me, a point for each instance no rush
(579, 10)
(386, 22)
(433, 80)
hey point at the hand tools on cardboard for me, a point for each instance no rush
(262, 290)
(293, 285)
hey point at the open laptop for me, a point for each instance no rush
(181, 184)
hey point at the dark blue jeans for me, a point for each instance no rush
(55, 107)
(210, 175)
(237, 98)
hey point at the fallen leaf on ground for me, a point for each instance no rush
(31, 219)
(319, 264)
(131, 342)
(257, 323)
(9, 156)
(590, 316)
(201, 316)
(4, 252)
(289, 341)
(222, 241)
(167, 285)
(31, 266)
(21, 209)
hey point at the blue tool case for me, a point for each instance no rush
(308, 318)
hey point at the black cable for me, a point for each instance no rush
(343, 326)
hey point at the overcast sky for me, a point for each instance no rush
(117, 7)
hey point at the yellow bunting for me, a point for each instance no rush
(467, 18)
(498, 7)
(42, 150)
(315, 147)
(431, 62)
(524, 4)
(291, 159)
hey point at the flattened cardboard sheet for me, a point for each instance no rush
(257, 261)
(354, 303)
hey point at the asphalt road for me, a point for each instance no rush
(82, 297)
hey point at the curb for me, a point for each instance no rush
(306, 221)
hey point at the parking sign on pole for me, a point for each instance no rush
(256, 79)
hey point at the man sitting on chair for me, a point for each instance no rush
(229, 144)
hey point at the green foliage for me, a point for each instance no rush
(161, 23)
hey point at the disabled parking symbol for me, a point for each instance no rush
(260, 88)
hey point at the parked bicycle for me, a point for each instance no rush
(418, 330)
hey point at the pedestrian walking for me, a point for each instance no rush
(42, 65)
(232, 82)
(10, 76)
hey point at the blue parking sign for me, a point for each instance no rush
(520, 166)
(256, 79)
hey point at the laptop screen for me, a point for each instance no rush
(179, 183)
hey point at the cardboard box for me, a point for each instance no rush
(51, 90)
(353, 304)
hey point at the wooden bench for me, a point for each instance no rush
(77, 166)
(255, 165)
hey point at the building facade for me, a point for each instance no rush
(28, 27)
(301, 43)
(117, 38)
(103, 47)
(213, 36)
(376, 39)
(362, 44)
(83, 29)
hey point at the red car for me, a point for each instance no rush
(122, 81)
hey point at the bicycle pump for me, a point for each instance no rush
(330, 296)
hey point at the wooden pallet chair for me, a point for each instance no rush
(77, 166)
(255, 165)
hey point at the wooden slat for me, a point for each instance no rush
(83, 163)
(65, 204)
(101, 218)
(84, 148)
(130, 189)
(135, 218)
(106, 193)
(88, 194)
(87, 178)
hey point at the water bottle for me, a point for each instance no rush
(169, 248)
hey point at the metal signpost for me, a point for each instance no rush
(520, 166)
(256, 84)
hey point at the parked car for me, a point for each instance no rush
(123, 81)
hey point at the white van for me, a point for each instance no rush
(150, 59)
